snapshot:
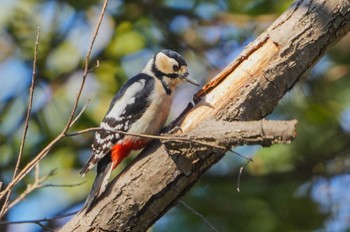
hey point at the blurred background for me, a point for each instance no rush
(303, 186)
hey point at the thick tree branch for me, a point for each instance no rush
(228, 134)
(248, 89)
(219, 136)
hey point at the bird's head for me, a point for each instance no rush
(171, 67)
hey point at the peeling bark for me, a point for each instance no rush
(248, 89)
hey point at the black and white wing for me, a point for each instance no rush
(126, 107)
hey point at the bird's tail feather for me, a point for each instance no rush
(99, 186)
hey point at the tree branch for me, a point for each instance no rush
(220, 136)
(6, 192)
(5, 206)
(248, 89)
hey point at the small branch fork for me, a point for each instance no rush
(30, 187)
(6, 193)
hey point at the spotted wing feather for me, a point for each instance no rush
(126, 107)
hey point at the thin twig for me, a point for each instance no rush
(44, 152)
(30, 188)
(29, 110)
(39, 220)
(80, 113)
(240, 174)
(241, 168)
(92, 129)
(86, 68)
(30, 166)
(199, 215)
(62, 185)
(242, 156)
(239, 178)
(30, 104)
(38, 184)
(37, 171)
(26, 124)
(46, 228)
(160, 137)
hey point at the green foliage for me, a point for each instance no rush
(125, 41)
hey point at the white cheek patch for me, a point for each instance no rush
(164, 63)
(128, 98)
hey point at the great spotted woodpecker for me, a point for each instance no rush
(141, 106)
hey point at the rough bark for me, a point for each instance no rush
(248, 89)
(219, 136)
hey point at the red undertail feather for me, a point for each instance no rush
(119, 152)
(122, 150)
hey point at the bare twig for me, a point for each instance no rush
(240, 174)
(80, 113)
(39, 221)
(46, 228)
(26, 124)
(242, 156)
(86, 68)
(6, 192)
(38, 184)
(30, 103)
(199, 215)
(248, 159)
(160, 137)
(62, 185)
(30, 187)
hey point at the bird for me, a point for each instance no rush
(141, 106)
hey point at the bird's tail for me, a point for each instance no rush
(104, 170)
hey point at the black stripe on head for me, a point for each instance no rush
(159, 74)
(176, 56)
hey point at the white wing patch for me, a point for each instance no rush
(128, 98)
(114, 120)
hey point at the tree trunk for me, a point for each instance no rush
(248, 89)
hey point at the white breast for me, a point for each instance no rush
(155, 116)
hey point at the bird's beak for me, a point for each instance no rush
(185, 76)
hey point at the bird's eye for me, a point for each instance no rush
(176, 67)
